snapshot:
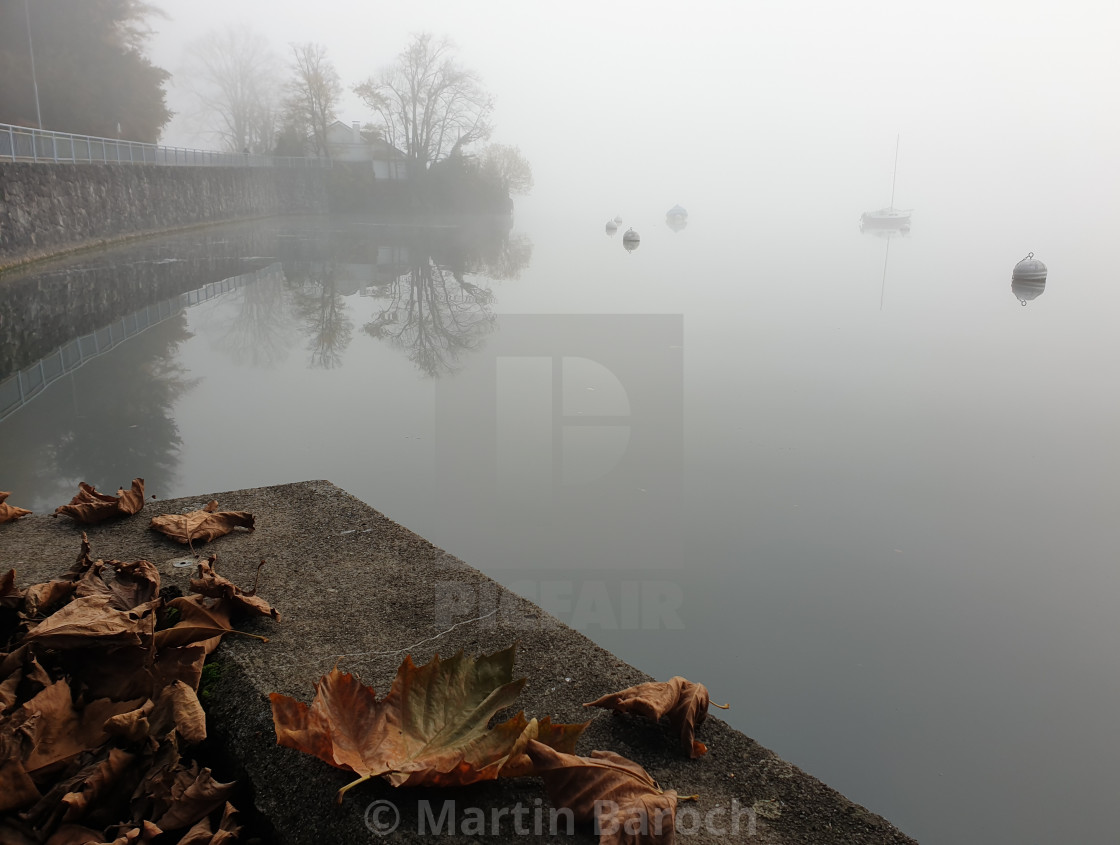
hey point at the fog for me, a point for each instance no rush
(647, 101)
(893, 515)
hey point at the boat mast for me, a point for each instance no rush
(895, 175)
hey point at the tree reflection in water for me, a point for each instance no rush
(321, 309)
(432, 319)
(433, 311)
(109, 421)
(258, 333)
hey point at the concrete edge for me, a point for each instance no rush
(360, 590)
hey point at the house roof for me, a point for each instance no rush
(378, 145)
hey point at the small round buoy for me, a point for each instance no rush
(631, 240)
(612, 227)
(1030, 269)
(1025, 290)
(618, 218)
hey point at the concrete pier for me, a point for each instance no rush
(358, 590)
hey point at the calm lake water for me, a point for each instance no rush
(850, 482)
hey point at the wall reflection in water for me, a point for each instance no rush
(91, 364)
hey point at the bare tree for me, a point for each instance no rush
(508, 167)
(233, 76)
(313, 91)
(429, 105)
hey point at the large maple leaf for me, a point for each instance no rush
(430, 730)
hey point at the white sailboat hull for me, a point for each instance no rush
(886, 218)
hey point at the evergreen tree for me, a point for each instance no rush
(90, 66)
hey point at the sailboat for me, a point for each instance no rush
(890, 217)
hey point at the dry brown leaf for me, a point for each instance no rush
(133, 583)
(14, 832)
(179, 663)
(83, 562)
(40, 598)
(17, 790)
(11, 661)
(124, 672)
(8, 513)
(75, 834)
(90, 621)
(89, 506)
(685, 703)
(499, 753)
(210, 583)
(204, 525)
(11, 596)
(479, 760)
(83, 792)
(133, 726)
(62, 721)
(28, 677)
(201, 622)
(188, 795)
(431, 729)
(616, 795)
(177, 709)
(51, 728)
(203, 834)
(145, 834)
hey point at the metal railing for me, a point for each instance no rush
(22, 143)
(26, 384)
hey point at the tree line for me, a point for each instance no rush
(91, 77)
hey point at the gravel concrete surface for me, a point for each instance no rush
(358, 590)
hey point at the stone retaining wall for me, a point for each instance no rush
(50, 208)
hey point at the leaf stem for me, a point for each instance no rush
(350, 786)
(247, 634)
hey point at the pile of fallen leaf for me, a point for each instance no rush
(98, 701)
(432, 729)
(90, 507)
(99, 676)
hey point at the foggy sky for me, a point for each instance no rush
(617, 91)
